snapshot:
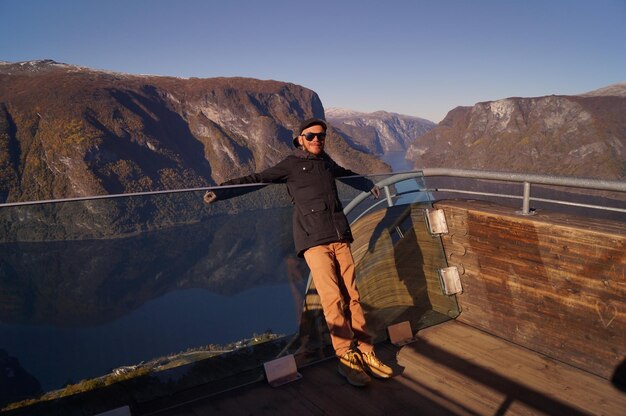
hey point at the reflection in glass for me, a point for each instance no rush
(164, 282)
(91, 286)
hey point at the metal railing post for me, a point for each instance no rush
(526, 200)
(388, 196)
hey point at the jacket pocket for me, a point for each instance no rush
(313, 218)
(314, 207)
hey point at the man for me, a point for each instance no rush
(322, 236)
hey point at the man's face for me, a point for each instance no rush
(316, 145)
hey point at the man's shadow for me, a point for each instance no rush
(391, 272)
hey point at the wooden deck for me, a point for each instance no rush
(453, 369)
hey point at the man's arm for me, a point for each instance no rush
(275, 174)
(362, 183)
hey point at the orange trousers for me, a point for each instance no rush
(332, 269)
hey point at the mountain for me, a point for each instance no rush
(15, 382)
(579, 135)
(618, 90)
(378, 132)
(69, 131)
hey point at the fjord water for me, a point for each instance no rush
(409, 187)
(169, 324)
(88, 287)
(79, 300)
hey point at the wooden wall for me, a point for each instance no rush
(550, 282)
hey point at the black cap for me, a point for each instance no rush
(306, 124)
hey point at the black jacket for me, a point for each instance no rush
(318, 214)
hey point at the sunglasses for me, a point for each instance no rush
(310, 136)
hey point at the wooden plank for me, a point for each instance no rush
(550, 282)
(488, 375)
(452, 369)
(322, 391)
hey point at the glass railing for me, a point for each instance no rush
(156, 298)
(149, 296)
(397, 258)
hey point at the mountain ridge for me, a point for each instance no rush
(577, 135)
(618, 89)
(378, 132)
(69, 131)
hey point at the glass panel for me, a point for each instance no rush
(184, 298)
(146, 285)
(398, 261)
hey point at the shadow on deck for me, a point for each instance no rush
(452, 369)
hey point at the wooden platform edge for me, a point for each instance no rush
(550, 282)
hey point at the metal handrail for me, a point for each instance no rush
(571, 182)
(525, 179)
(128, 195)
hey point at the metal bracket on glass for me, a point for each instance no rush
(281, 371)
(401, 334)
(450, 280)
(436, 220)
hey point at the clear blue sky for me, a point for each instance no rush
(421, 58)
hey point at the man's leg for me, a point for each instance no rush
(321, 261)
(347, 278)
(363, 339)
(323, 264)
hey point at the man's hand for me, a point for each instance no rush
(375, 191)
(209, 197)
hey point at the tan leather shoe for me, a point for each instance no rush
(374, 366)
(351, 367)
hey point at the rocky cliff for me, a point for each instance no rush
(69, 131)
(582, 135)
(379, 132)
